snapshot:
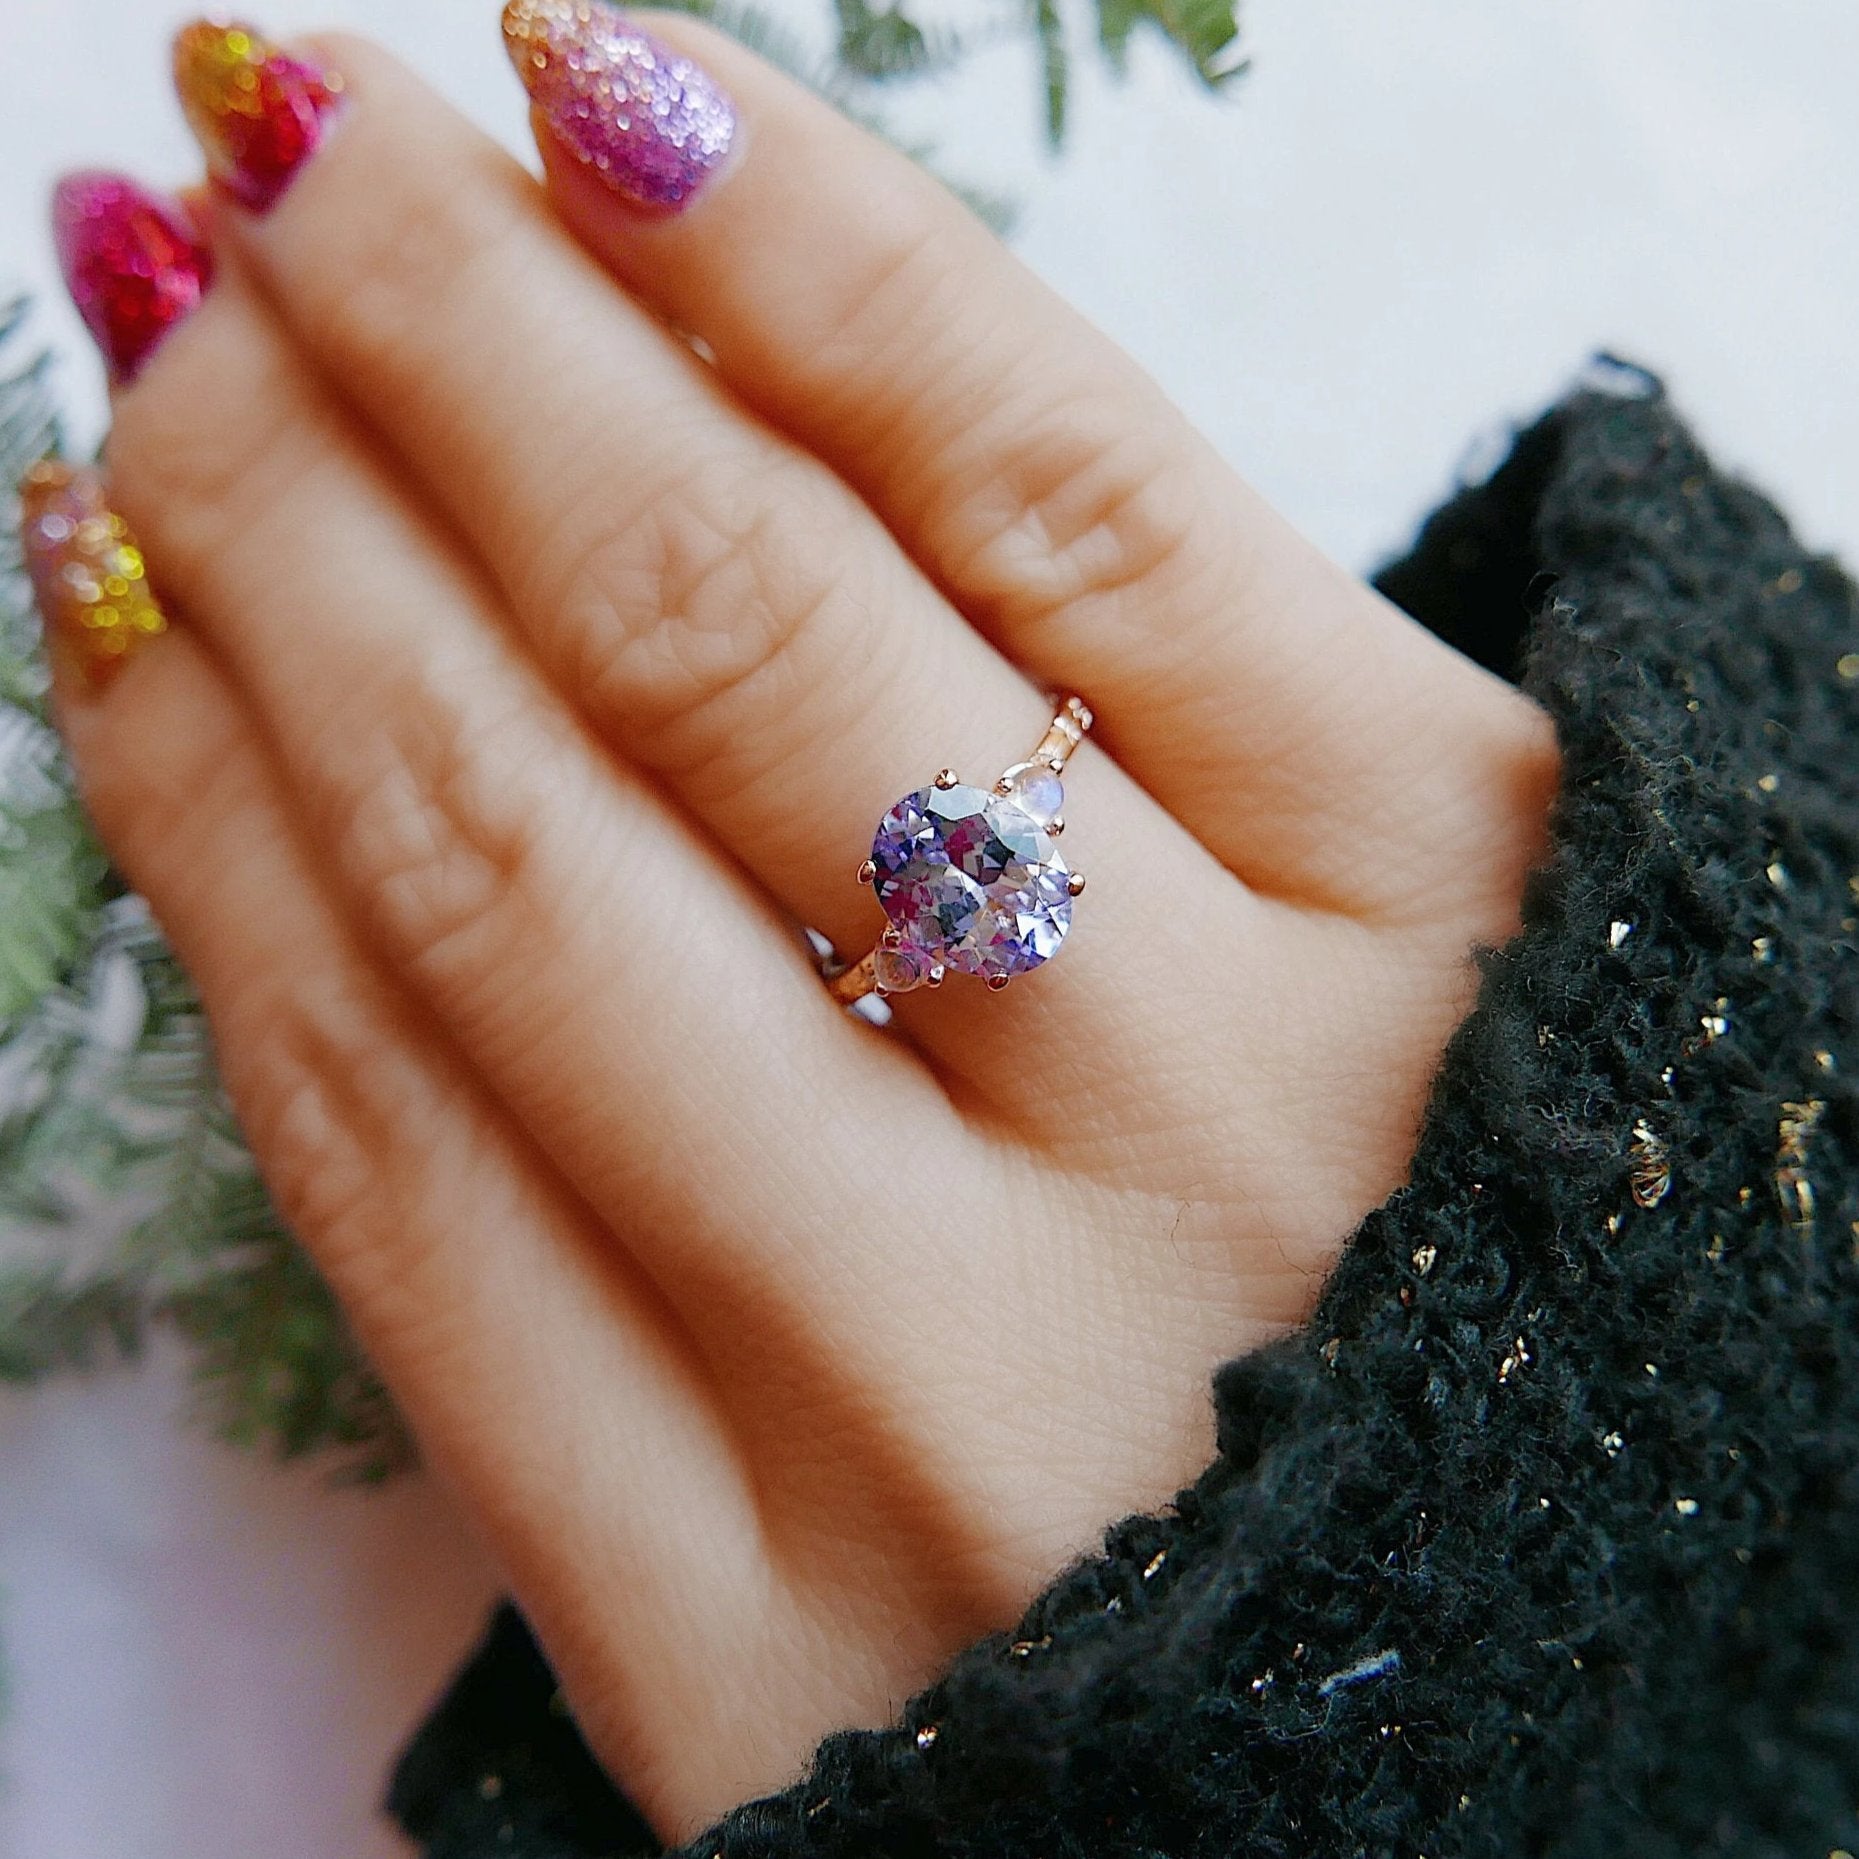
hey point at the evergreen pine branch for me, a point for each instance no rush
(50, 868)
(1054, 65)
(28, 430)
(48, 1324)
(275, 1363)
(127, 1199)
(882, 43)
(1207, 31)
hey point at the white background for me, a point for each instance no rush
(1409, 224)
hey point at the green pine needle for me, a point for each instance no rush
(127, 1199)
(1206, 30)
(49, 1323)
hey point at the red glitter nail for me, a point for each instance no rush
(258, 113)
(133, 263)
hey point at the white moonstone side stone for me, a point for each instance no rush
(897, 971)
(1036, 791)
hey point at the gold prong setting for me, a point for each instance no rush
(971, 878)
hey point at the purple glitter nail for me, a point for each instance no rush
(647, 119)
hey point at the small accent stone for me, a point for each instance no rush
(898, 970)
(1036, 789)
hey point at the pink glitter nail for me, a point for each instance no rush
(132, 262)
(648, 120)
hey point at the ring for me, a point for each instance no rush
(971, 878)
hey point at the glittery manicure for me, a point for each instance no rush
(133, 263)
(258, 113)
(648, 120)
(86, 570)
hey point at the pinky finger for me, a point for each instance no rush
(539, 1372)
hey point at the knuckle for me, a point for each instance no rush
(436, 825)
(412, 256)
(332, 1111)
(1049, 495)
(893, 316)
(294, 1063)
(686, 617)
(166, 771)
(186, 476)
(1082, 511)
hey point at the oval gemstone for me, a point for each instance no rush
(972, 880)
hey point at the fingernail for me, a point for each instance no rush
(648, 120)
(132, 262)
(86, 570)
(258, 113)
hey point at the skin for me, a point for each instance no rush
(531, 676)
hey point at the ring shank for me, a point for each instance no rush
(849, 986)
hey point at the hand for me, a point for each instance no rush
(533, 672)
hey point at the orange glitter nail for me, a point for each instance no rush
(258, 113)
(86, 570)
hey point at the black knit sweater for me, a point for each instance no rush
(1543, 1537)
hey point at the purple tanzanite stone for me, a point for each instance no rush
(972, 880)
